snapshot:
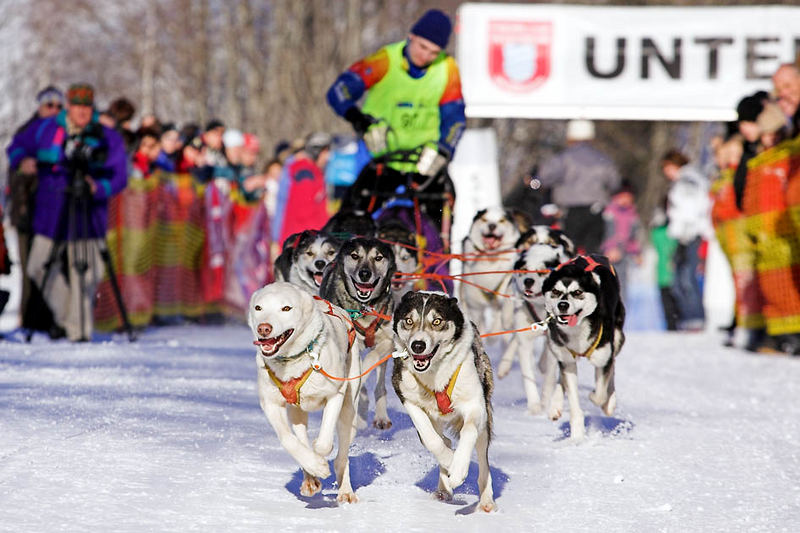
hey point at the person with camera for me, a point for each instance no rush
(80, 165)
(413, 99)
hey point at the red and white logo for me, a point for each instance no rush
(519, 54)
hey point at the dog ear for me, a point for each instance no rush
(479, 214)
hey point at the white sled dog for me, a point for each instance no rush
(490, 247)
(293, 331)
(445, 383)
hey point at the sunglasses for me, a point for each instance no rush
(52, 105)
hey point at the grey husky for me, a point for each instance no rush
(444, 380)
(359, 280)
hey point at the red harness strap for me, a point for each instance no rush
(290, 389)
(351, 328)
(370, 331)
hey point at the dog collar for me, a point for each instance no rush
(443, 396)
(591, 349)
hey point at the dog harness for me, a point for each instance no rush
(369, 331)
(591, 349)
(351, 328)
(443, 396)
(290, 389)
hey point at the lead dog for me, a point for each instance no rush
(445, 383)
(291, 329)
(584, 296)
(359, 279)
(489, 247)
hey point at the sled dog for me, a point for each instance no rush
(359, 280)
(583, 295)
(489, 247)
(445, 384)
(294, 330)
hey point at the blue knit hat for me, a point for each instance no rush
(434, 26)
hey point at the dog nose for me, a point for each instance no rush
(492, 226)
(528, 283)
(364, 274)
(320, 264)
(563, 307)
(418, 347)
(264, 330)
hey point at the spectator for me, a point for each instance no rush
(22, 184)
(771, 125)
(302, 201)
(272, 174)
(171, 146)
(665, 247)
(582, 179)
(65, 148)
(191, 155)
(688, 208)
(621, 244)
(786, 81)
(250, 182)
(121, 112)
(146, 155)
(528, 196)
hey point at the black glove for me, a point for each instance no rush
(360, 121)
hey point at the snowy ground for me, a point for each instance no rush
(165, 434)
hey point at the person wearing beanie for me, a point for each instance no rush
(582, 179)
(747, 111)
(413, 99)
(69, 149)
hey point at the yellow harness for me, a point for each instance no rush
(443, 396)
(290, 390)
(591, 349)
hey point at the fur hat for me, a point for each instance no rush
(434, 26)
(80, 94)
(580, 130)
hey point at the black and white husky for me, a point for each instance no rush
(489, 247)
(444, 381)
(584, 297)
(532, 268)
(359, 279)
(304, 258)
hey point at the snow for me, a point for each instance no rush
(166, 434)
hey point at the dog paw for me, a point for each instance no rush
(503, 369)
(576, 433)
(611, 404)
(458, 473)
(310, 486)
(534, 408)
(382, 423)
(554, 413)
(323, 448)
(597, 399)
(318, 467)
(487, 506)
(443, 495)
(347, 497)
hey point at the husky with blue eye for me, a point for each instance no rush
(584, 297)
(444, 381)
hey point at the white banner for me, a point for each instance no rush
(609, 62)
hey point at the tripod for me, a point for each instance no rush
(78, 195)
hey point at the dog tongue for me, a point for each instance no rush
(572, 320)
(491, 242)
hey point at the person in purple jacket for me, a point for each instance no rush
(80, 165)
(622, 232)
